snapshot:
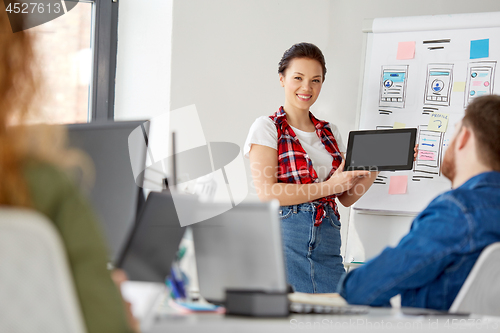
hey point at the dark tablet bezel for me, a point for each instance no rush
(407, 166)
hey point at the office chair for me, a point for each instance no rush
(480, 293)
(36, 286)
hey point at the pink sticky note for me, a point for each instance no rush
(477, 83)
(426, 155)
(398, 184)
(406, 50)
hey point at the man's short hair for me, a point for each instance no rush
(482, 116)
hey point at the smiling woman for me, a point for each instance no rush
(298, 159)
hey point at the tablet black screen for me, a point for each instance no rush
(383, 149)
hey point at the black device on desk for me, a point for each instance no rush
(381, 150)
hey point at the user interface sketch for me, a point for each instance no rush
(393, 86)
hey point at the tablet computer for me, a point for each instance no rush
(382, 150)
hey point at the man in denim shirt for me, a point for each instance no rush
(430, 264)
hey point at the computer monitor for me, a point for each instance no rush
(114, 195)
(240, 249)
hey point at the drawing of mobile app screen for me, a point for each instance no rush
(213, 172)
(393, 86)
(428, 161)
(438, 84)
(480, 80)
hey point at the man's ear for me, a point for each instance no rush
(463, 137)
(282, 79)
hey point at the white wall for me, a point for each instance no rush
(226, 53)
(143, 59)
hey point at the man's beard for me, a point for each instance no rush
(448, 167)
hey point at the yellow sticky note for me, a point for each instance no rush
(459, 86)
(398, 125)
(438, 122)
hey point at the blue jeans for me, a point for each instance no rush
(312, 254)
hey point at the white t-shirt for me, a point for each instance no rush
(263, 132)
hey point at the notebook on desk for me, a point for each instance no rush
(242, 249)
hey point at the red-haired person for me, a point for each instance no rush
(32, 176)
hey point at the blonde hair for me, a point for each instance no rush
(20, 84)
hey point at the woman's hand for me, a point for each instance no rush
(345, 180)
(416, 152)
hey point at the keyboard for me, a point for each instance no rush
(323, 303)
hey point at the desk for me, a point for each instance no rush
(377, 319)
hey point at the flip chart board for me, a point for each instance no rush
(422, 72)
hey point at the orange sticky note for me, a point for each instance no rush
(406, 50)
(398, 184)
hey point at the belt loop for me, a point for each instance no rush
(295, 209)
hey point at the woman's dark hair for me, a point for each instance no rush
(302, 50)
